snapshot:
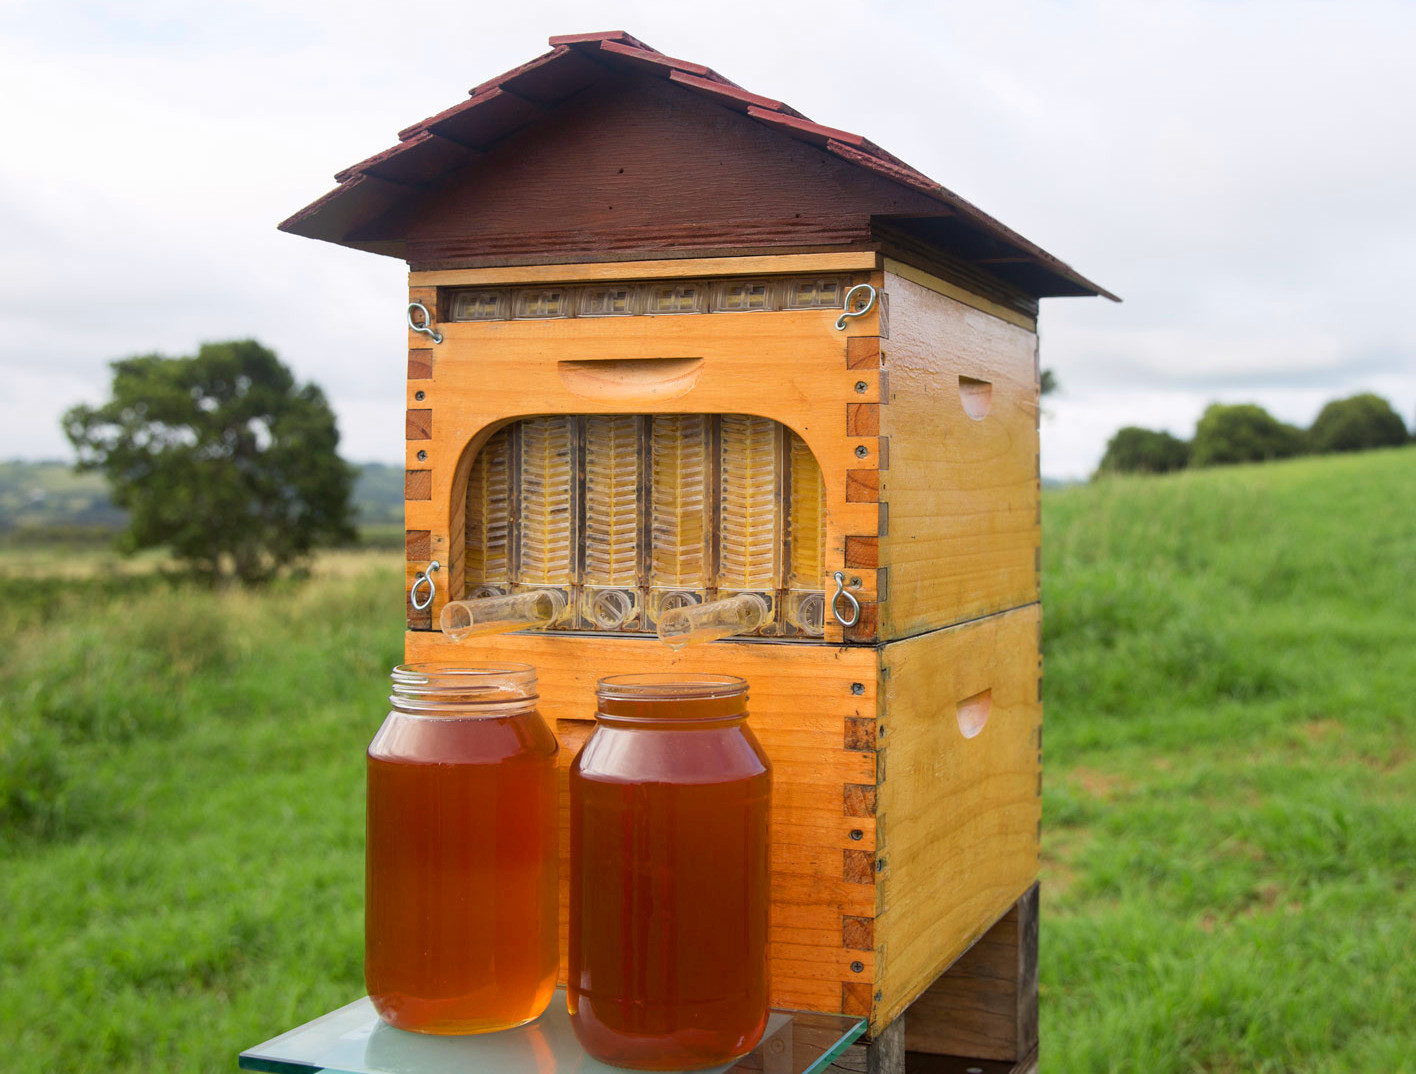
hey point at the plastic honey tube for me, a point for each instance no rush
(495, 615)
(697, 623)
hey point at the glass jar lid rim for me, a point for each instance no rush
(464, 683)
(648, 686)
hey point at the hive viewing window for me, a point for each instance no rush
(627, 516)
(652, 298)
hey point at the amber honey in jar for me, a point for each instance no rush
(669, 804)
(460, 884)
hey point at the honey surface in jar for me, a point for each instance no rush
(669, 884)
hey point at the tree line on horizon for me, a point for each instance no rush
(1229, 433)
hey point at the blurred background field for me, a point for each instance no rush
(1230, 792)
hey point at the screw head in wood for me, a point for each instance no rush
(862, 451)
(862, 387)
(857, 688)
(856, 833)
(420, 395)
(857, 967)
(422, 456)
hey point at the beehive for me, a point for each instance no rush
(646, 395)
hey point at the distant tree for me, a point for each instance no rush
(1358, 423)
(1244, 432)
(221, 458)
(1047, 382)
(1144, 451)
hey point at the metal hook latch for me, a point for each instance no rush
(869, 293)
(424, 577)
(842, 592)
(427, 326)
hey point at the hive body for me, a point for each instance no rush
(906, 748)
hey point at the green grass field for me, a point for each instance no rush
(1230, 800)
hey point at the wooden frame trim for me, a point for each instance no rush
(778, 264)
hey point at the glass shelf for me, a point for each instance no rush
(352, 1040)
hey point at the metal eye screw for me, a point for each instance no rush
(427, 326)
(841, 594)
(424, 577)
(860, 288)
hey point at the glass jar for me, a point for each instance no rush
(669, 804)
(460, 882)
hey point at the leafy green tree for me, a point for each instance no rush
(1358, 423)
(1243, 432)
(1135, 450)
(221, 458)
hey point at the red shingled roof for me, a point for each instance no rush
(449, 140)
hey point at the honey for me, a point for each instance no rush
(461, 886)
(669, 876)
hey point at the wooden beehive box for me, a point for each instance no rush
(609, 231)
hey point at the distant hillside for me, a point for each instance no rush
(48, 496)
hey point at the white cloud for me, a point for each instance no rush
(1239, 172)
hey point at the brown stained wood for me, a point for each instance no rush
(985, 1005)
(857, 933)
(863, 552)
(863, 352)
(860, 733)
(867, 626)
(858, 866)
(616, 168)
(862, 419)
(583, 272)
(859, 801)
(419, 425)
(856, 998)
(882, 453)
(962, 493)
(797, 710)
(420, 363)
(862, 486)
(418, 545)
(955, 807)
(418, 485)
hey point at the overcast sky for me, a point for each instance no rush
(1242, 173)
